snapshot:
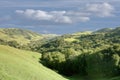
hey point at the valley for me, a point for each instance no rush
(78, 56)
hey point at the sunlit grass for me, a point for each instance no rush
(23, 65)
(17, 35)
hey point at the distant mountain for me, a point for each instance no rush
(82, 33)
(116, 31)
(104, 30)
(110, 31)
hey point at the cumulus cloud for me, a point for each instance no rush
(35, 14)
(55, 16)
(68, 17)
(101, 10)
(79, 16)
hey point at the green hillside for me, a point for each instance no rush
(104, 30)
(23, 65)
(21, 36)
(79, 56)
(96, 55)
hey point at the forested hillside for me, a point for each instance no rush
(95, 54)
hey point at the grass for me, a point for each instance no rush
(22, 36)
(70, 39)
(23, 65)
(76, 35)
(82, 33)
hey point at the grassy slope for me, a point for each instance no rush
(75, 35)
(23, 65)
(22, 36)
(19, 35)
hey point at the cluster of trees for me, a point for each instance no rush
(10, 43)
(14, 44)
(93, 54)
(104, 62)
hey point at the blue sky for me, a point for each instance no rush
(59, 16)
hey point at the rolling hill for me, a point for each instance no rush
(22, 36)
(95, 55)
(18, 64)
(79, 56)
(104, 30)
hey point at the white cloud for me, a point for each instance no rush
(78, 16)
(68, 17)
(54, 16)
(19, 11)
(35, 14)
(102, 10)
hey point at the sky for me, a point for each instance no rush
(59, 16)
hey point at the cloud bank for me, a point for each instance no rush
(102, 10)
(68, 17)
(54, 16)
